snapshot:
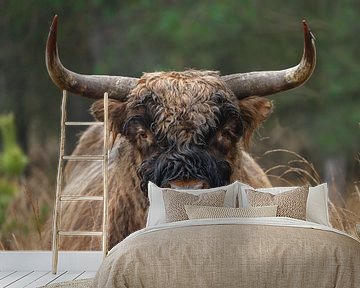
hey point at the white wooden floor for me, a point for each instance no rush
(31, 279)
(33, 268)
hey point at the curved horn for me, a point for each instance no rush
(91, 86)
(264, 83)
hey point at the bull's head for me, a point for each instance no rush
(186, 127)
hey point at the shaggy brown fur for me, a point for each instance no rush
(185, 108)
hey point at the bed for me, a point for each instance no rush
(233, 252)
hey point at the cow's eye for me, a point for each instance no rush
(137, 129)
(226, 133)
(142, 134)
(225, 138)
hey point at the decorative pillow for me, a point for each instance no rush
(156, 211)
(290, 203)
(316, 206)
(201, 212)
(175, 202)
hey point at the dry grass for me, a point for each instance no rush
(27, 215)
(344, 212)
(294, 171)
(344, 219)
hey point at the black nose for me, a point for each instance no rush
(188, 184)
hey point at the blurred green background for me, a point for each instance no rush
(319, 121)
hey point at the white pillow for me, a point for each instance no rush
(316, 206)
(156, 212)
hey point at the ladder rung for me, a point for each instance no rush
(84, 158)
(80, 233)
(83, 123)
(80, 198)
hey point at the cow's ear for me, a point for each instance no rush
(254, 111)
(117, 113)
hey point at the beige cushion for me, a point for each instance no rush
(156, 211)
(201, 212)
(290, 203)
(316, 207)
(175, 201)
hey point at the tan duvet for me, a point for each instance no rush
(233, 254)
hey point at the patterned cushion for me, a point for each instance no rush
(290, 204)
(201, 212)
(156, 211)
(175, 201)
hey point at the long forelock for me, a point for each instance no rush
(180, 99)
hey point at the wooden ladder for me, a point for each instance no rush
(59, 198)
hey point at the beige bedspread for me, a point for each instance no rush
(233, 255)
